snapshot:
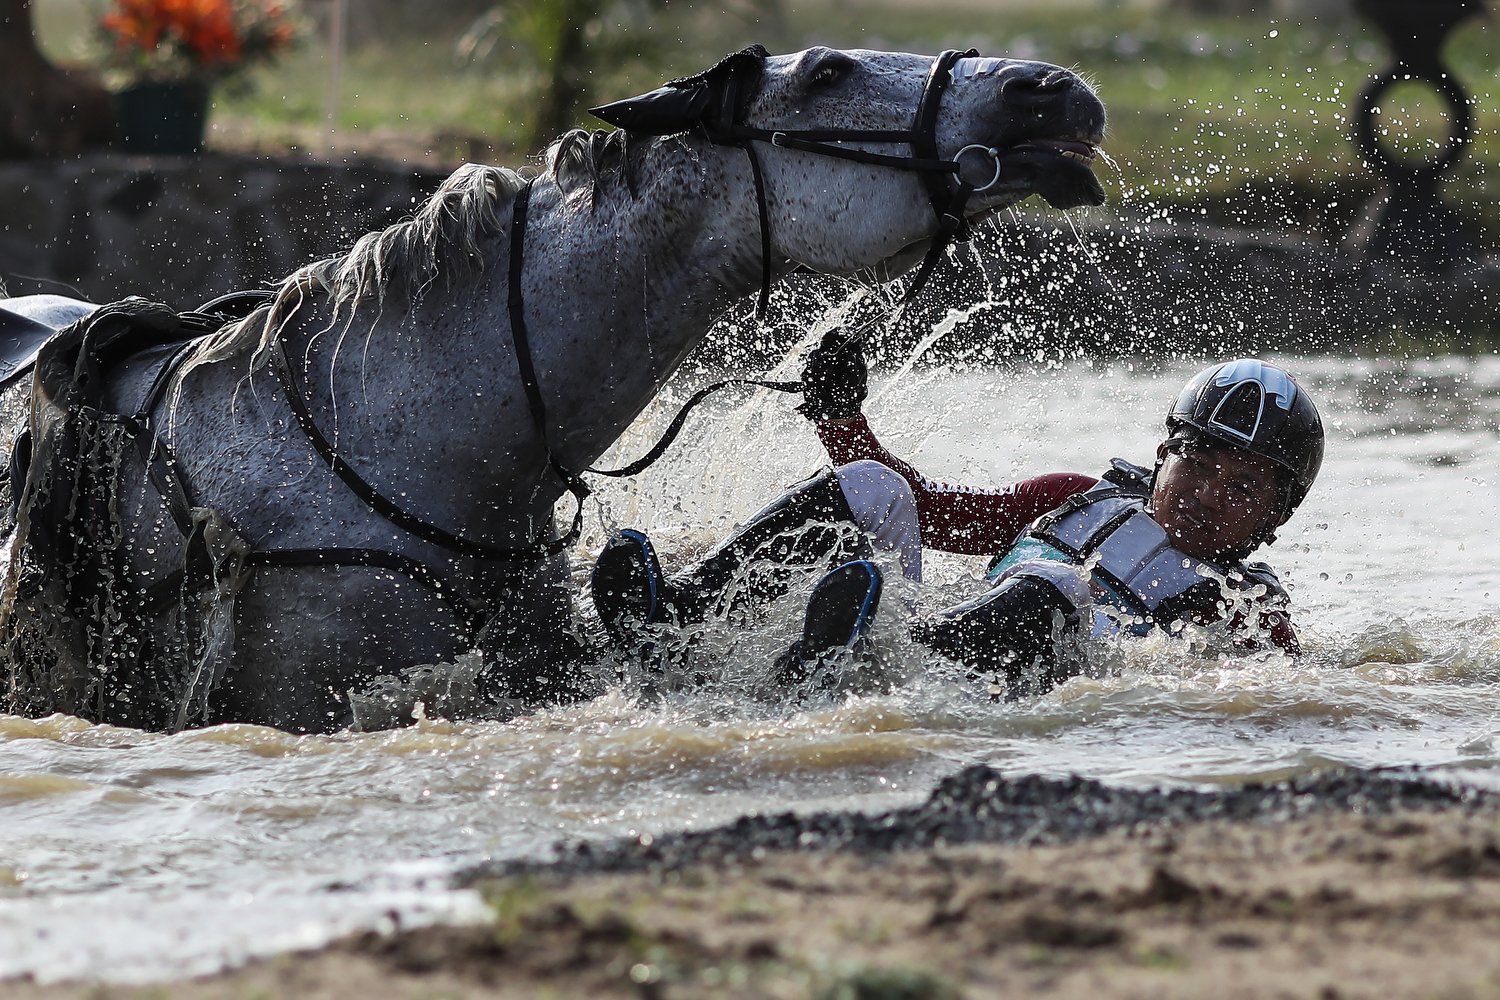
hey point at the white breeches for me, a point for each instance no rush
(885, 509)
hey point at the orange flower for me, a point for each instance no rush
(196, 38)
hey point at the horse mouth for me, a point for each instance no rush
(1073, 149)
(1060, 170)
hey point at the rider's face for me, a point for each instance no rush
(1212, 499)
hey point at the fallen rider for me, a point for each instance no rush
(1136, 550)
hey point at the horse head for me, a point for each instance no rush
(933, 142)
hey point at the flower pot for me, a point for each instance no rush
(163, 117)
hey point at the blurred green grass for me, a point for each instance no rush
(1233, 119)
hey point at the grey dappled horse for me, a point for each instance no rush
(403, 351)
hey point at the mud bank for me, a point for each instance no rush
(1349, 885)
(982, 805)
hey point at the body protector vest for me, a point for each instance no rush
(1117, 567)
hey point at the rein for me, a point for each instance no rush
(521, 340)
(459, 544)
(389, 509)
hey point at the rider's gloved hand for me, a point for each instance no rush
(835, 378)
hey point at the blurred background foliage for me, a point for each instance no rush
(1234, 111)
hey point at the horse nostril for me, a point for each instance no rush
(1056, 82)
(1039, 85)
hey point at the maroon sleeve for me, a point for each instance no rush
(957, 518)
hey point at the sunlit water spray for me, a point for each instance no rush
(132, 855)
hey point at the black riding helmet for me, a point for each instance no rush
(1259, 408)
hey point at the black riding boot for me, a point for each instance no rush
(839, 613)
(810, 525)
(1010, 631)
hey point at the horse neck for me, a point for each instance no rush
(614, 296)
(617, 294)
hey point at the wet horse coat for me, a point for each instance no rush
(402, 351)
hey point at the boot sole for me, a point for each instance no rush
(828, 626)
(627, 556)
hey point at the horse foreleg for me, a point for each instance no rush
(531, 644)
(308, 639)
(319, 649)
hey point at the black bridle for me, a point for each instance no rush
(714, 104)
(946, 188)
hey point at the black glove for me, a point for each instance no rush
(835, 379)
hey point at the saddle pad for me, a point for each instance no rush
(27, 323)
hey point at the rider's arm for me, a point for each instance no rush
(956, 518)
(1275, 628)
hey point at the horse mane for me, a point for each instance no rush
(598, 162)
(440, 243)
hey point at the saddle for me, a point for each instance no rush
(84, 630)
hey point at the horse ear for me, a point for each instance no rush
(665, 111)
(712, 100)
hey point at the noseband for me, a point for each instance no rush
(946, 188)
